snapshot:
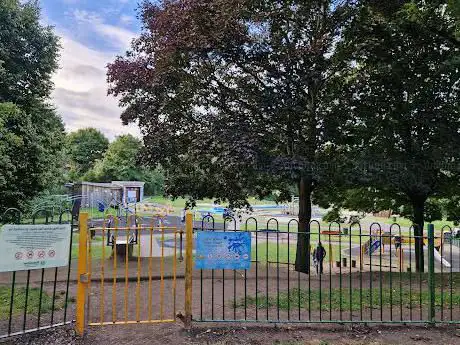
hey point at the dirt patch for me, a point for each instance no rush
(255, 335)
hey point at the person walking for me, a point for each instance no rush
(320, 254)
(397, 241)
(315, 263)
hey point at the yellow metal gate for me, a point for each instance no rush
(127, 272)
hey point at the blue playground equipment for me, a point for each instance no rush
(373, 247)
(226, 212)
(101, 206)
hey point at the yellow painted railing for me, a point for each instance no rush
(133, 270)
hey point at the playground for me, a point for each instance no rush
(137, 272)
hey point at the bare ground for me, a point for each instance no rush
(255, 335)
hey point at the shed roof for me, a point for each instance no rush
(129, 183)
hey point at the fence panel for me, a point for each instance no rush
(368, 275)
(39, 298)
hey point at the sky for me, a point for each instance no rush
(93, 33)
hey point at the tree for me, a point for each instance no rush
(30, 130)
(452, 209)
(28, 53)
(421, 13)
(17, 153)
(432, 211)
(119, 161)
(403, 98)
(334, 215)
(233, 96)
(154, 181)
(27, 157)
(84, 147)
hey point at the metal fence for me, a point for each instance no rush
(368, 276)
(40, 298)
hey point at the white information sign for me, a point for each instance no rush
(27, 247)
(132, 196)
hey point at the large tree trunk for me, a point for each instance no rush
(418, 205)
(302, 258)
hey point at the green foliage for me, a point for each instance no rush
(333, 216)
(403, 107)
(28, 53)
(452, 209)
(120, 163)
(29, 153)
(17, 148)
(154, 181)
(30, 130)
(421, 13)
(433, 211)
(84, 147)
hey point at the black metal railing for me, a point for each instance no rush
(368, 275)
(39, 298)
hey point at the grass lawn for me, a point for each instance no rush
(96, 251)
(96, 247)
(179, 203)
(283, 253)
(438, 224)
(337, 299)
(330, 300)
(33, 301)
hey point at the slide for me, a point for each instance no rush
(371, 247)
(375, 245)
(438, 257)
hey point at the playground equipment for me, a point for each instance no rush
(438, 257)
(125, 239)
(331, 232)
(156, 209)
(257, 210)
(292, 208)
(400, 244)
(373, 243)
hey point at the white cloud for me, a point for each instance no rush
(116, 36)
(126, 19)
(81, 90)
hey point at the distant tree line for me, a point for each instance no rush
(90, 157)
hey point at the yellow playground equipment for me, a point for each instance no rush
(154, 209)
(379, 239)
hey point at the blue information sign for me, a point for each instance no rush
(223, 250)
